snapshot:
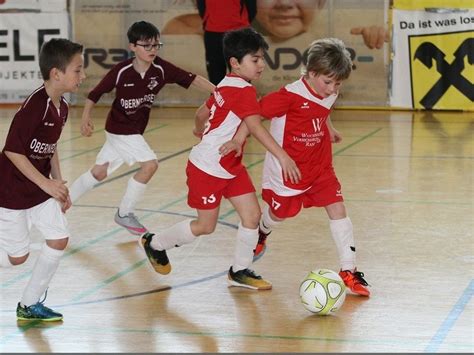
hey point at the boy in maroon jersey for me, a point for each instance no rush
(32, 191)
(211, 175)
(300, 123)
(136, 81)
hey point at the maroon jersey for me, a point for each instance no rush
(134, 95)
(34, 133)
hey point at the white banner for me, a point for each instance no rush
(21, 37)
(433, 52)
(33, 5)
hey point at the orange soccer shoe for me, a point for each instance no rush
(355, 282)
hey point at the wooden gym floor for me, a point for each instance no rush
(408, 183)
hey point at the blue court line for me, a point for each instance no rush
(451, 319)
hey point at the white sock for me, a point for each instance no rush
(134, 193)
(4, 259)
(266, 222)
(247, 239)
(43, 272)
(83, 183)
(341, 230)
(177, 235)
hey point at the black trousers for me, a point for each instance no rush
(215, 62)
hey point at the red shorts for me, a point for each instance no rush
(205, 191)
(321, 194)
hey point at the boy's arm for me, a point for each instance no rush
(56, 175)
(203, 84)
(334, 134)
(200, 120)
(236, 143)
(290, 170)
(53, 187)
(87, 127)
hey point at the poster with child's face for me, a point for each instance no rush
(289, 26)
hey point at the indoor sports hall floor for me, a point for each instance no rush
(408, 183)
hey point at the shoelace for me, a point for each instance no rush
(360, 278)
(252, 273)
(45, 295)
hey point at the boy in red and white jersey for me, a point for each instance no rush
(32, 190)
(137, 81)
(213, 173)
(301, 125)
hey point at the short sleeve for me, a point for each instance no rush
(247, 104)
(275, 104)
(176, 75)
(22, 128)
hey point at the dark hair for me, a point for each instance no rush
(57, 53)
(239, 43)
(141, 31)
(328, 56)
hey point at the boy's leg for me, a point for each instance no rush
(247, 237)
(51, 222)
(265, 227)
(136, 187)
(43, 271)
(343, 236)
(87, 181)
(181, 233)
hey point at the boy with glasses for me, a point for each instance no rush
(136, 81)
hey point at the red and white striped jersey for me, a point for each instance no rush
(298, 124)
(233, 100)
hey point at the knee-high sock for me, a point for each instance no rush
(341, 230)
(4, 259)
(266, 222)
(134, 193)
(177, 235)
(83, 183)
(43, 272)
(246, 241)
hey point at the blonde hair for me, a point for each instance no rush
(328, 56)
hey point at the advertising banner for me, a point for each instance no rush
(33, 5)
(21, 37)
(102, 27)
(433, 57)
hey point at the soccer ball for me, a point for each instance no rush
(322, 292)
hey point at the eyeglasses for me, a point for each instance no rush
(149, 46)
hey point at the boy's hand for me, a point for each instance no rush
(290, 170)
(336, 136)
(66, 205)
(56, 189)
(231, 146)
(87, 127)
(374, 36)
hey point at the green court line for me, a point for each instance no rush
(108, 330)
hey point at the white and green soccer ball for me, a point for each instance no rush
(322, 292)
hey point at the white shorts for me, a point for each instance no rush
(120, 148)
(15, 226)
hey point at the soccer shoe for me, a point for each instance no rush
(130, 223)
(247, 278)
(355, 282)
(158, 258)
(261, 245)
(38, 311)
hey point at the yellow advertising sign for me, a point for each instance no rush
(442, 70)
